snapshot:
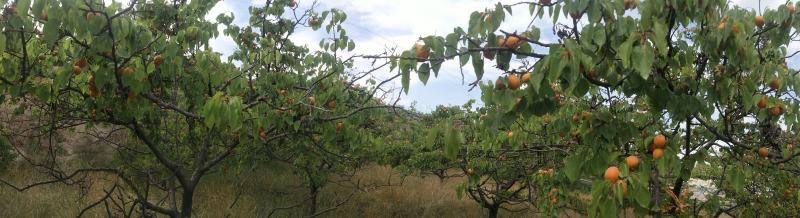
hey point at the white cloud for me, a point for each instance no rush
(222, 44)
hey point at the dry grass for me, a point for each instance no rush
(52, 200)
(263, 190)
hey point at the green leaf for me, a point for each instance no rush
(435, 66)
(534, 33)
(451, 44)
(50, 32)
(608, 208)
(503, 60)
(406, 64)
(38, 7)
(737, 178)
(640, 193)
(62, 76)
(555, 13)
(660, 32)
(477, 64)
(536, 81)
(451, 142)
(572, 166)
(463, 58)
(643, 59)
(474, 23)
(624, 51)
(405, 79)
(212, 109)
(424, 72)
(23, 6)
(2, 42)
(430, 139)
(437, 45)
(556, 67)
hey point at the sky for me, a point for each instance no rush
(376, 25)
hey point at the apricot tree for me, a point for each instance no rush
(675, 83)
(146, 68)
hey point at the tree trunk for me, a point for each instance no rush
(679, 182)
(312, 208)
(173, 200)
(655, 197)
(493, 211)
(186, 204)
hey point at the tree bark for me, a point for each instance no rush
(493, 211)
(679, 182)
(314, 191)
(186, 204)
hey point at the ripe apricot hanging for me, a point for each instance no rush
(93, 91)
(312, 101)
(262, 133)
(526, 77)
(76, 70)
(775, 110)
(513, 82)
(499, 84)
(339, 126)
(659, 141)
(624, 186)
(632, 161)
(775, 84)
(759, 21)
(511, 42)
(81, 63)
(126, 71)
(331, 104)
(763, 151)
(629, 4)
(612, 174)
(422, 51)
(763, 102)
(658, 153)
(157, 60)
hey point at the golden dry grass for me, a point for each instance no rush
(263, 190)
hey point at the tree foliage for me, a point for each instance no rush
(147, 67)
(617, 108)
(614, 75)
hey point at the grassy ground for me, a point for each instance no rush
(261, 192)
